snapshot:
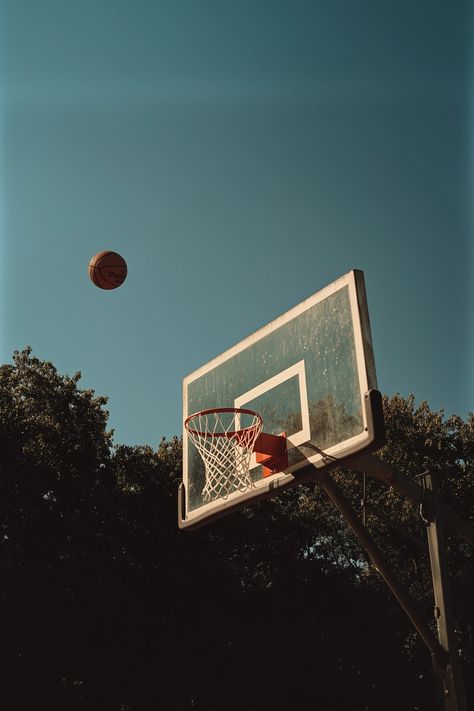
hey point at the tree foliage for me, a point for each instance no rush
(105, 604)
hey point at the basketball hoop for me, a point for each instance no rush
(225, 439)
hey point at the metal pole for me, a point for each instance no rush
(402, 595)
(383, 471)
(454, 698)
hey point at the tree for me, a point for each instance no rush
(55, 458)
(106, 604)
(56, 495)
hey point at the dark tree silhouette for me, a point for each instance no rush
(105, 604)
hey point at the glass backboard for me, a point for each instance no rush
(311, 374)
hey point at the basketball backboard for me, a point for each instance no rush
(311, 374)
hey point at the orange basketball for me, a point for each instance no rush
(108, 270)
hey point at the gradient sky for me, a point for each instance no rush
(240, 155)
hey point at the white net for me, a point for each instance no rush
(225, 440)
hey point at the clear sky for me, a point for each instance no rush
(240, 155)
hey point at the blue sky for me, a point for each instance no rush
(240, 156)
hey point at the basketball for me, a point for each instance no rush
(107, 270)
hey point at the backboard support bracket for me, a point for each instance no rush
(271, 452)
